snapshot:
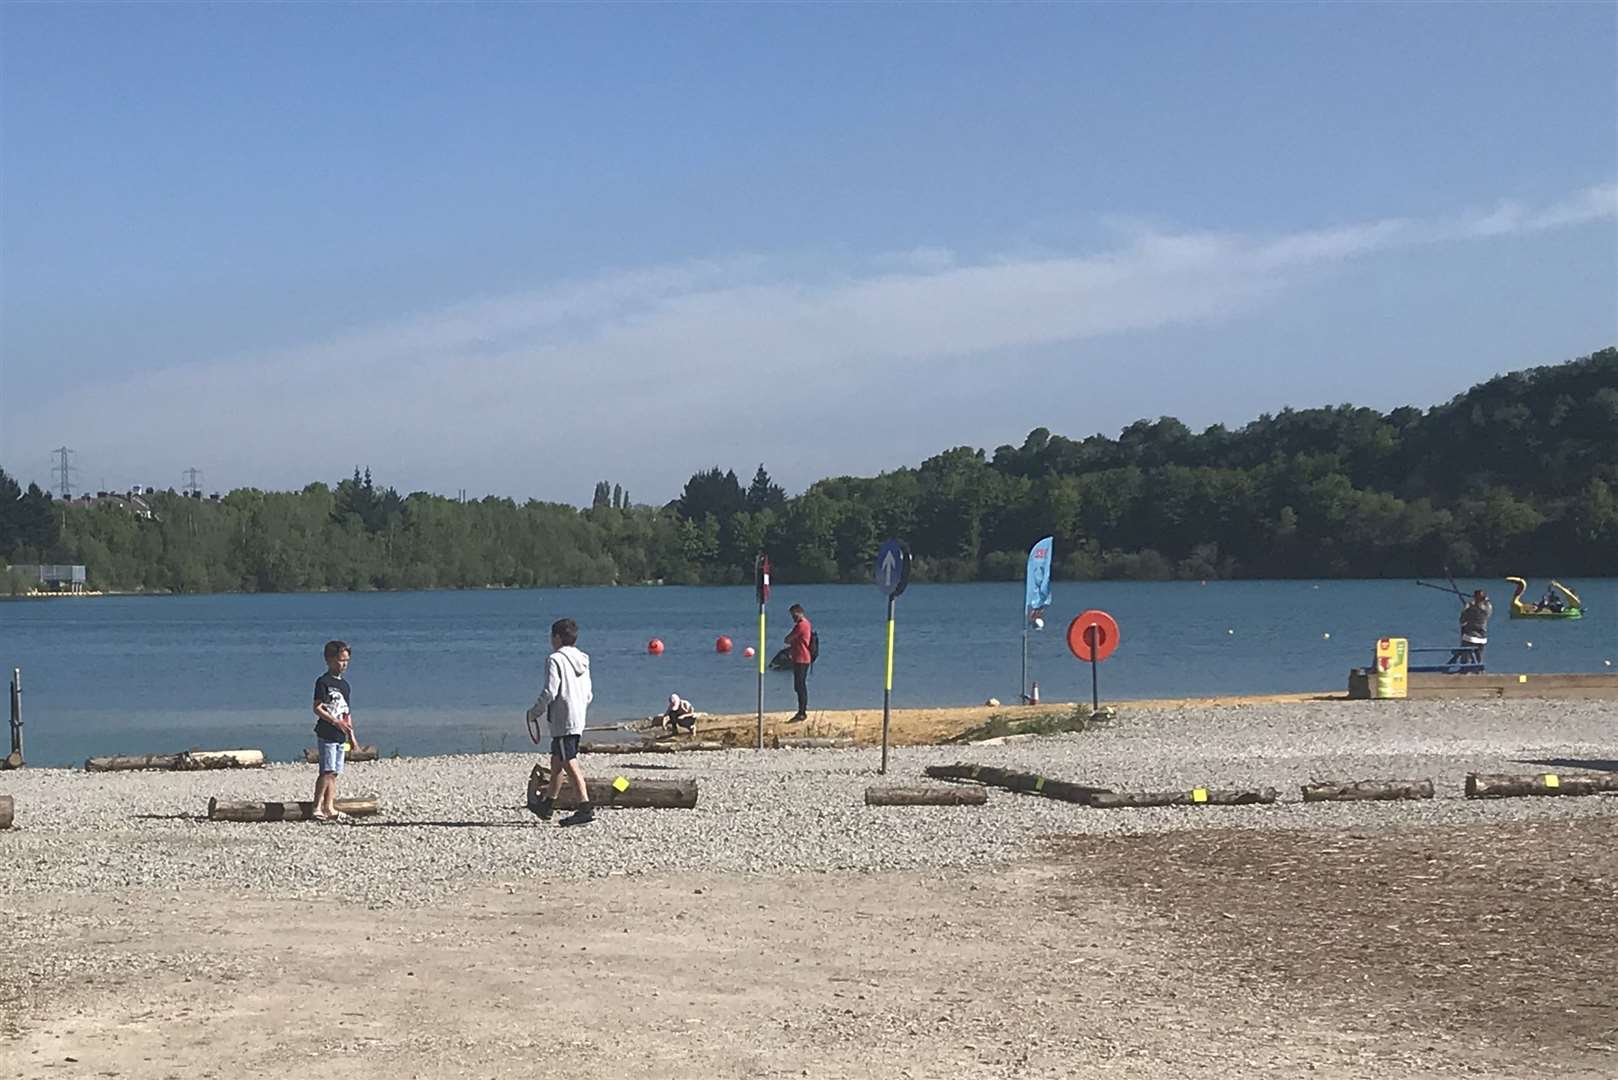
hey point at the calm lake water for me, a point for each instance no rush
(444, 672)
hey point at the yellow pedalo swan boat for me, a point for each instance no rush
(1572, 607)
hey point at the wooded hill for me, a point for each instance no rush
(1517, 475)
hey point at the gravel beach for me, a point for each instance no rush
(784, 928)
(452, 821)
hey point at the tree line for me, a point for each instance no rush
(1517, 475)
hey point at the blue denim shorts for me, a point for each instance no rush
(332, 756)
(565, 747)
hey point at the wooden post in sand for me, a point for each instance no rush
(925, 795)
(1505, 786)
(242, 810)
(7, 809)
(187, 761)
(1113, 800)
(1028, 783)
(1366, 790)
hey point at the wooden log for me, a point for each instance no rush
(1366, 790)
(625, 792)
(1030, 783)
(1508, 786)
(130, 762)
(634, 793)
(243, 810)
(368, 752)
(8, 808)
(1194, 797)
(925, 795)
(197, 760)
(649, 746)
(811, 743)
(187, 761)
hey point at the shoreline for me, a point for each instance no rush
(947, 724)
(911, 726)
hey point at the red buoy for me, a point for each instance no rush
(655, 646)
(748, 652)
(722, 644)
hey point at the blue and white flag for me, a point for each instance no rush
(1038, 595)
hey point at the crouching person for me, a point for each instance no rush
(561, 708)
(680, 716)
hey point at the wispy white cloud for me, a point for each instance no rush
(646, 372)
(1593, 204)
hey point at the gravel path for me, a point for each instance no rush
(452, 821)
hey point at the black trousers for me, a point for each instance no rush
(800, 683)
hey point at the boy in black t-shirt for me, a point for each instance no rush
(334, 729)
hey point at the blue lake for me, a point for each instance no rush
(438, 672)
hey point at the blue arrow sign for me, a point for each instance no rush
(892, 567)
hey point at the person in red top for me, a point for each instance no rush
(798, 641)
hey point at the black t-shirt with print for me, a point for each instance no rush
(332, 692)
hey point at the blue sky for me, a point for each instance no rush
(517, 249)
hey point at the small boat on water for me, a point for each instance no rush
(1572, 607)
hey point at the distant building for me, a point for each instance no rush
(58, 577)
(134, 501)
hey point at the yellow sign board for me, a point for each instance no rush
(1390, 673)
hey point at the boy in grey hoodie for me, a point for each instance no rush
(563, 703)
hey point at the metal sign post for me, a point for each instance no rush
(14, 759)
(1092, 636)
(891, 576)
(761, 588)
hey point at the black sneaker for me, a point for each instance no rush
(545, 808)
(582, 816)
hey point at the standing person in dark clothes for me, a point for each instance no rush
(797, 641)
(334, 729)
(1475, 624)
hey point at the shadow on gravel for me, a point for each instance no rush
(1596, 764)
(169, 817)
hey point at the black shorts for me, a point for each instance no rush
(565, 747)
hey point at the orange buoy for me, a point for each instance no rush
(722, 644)
(749, 653)
(655, 646)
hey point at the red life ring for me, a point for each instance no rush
(1092, 627)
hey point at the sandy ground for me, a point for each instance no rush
(1462, 951)
(927, 727)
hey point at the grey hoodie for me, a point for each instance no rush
(567, 692)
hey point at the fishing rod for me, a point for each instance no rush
(1450, 588)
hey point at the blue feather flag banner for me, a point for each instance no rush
(1038, 594)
